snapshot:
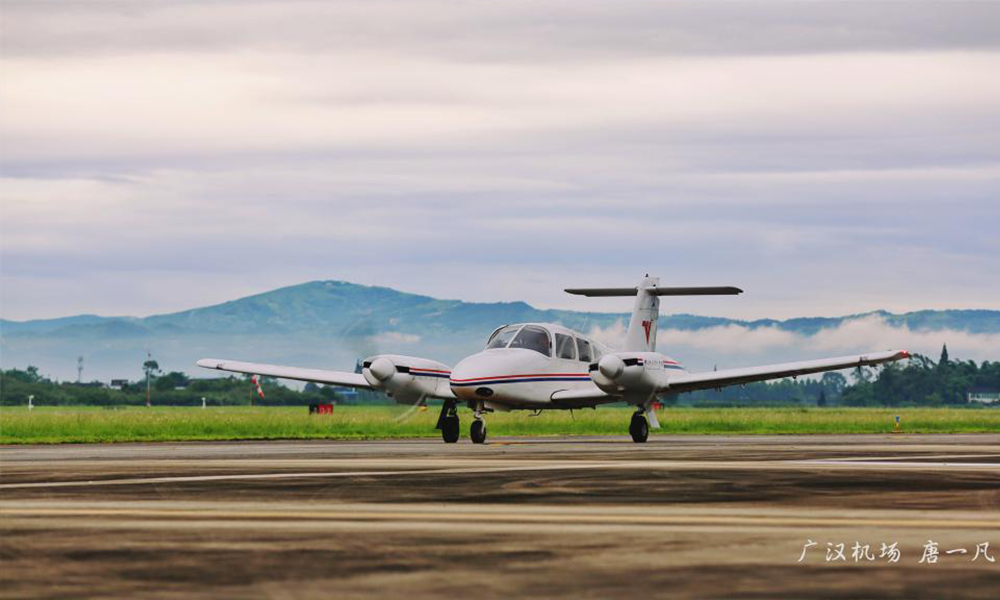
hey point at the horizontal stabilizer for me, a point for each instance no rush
(603, 291)
(658, 291)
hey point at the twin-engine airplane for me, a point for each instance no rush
(539, 366)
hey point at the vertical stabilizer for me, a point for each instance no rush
(641, 334)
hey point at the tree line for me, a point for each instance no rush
(917, 382)
(170, 389)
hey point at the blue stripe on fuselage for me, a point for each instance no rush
(521, 380)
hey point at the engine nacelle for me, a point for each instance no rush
(636, 374)
(406, 379)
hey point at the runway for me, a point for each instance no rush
(678, 517)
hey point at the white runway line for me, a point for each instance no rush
(901, 464)
(198, 512)
(886, 463)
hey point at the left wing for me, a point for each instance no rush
(727, 377)
(355, 380)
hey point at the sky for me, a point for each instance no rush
(828, 157)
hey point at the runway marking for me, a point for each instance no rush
(500, 516)
(527, 466)
(903, 463)
(914, 458)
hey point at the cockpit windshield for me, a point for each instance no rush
(502, 337)
(533, 338)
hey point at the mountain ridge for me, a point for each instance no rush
(295, 308)
(329, 324)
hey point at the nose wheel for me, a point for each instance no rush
(639, 428)
(478, 431)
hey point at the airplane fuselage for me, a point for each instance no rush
(515, 372)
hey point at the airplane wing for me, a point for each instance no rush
(719, 379)
(355, 380)
(727, 377)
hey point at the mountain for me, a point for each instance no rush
(331, 323)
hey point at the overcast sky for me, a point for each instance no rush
(828, 157)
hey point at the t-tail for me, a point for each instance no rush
(641, 336)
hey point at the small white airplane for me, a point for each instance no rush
(545, 366)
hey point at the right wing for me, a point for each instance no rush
(355, 380)
(592, 396)
(727, 377)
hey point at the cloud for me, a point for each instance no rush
(543, 30)
(390, 338)
(830, 157)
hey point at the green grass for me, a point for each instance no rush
(138, 424)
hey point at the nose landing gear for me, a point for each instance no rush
(639, 427)
(478, 429)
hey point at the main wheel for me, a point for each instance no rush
(450, 430)
(478, 431)
(639, 428)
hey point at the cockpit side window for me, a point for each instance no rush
(583, 348)
(533, 338)
(502, 337)
(564, 346)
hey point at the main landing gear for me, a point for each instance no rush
(448, 423)
(639, 427)
(450, 427)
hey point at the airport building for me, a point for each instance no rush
(983, 396)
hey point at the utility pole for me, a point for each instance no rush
(148, 371)
(149, 366)
(79, 369)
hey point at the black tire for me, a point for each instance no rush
(450, 429)
(478, 431)
(639, 428)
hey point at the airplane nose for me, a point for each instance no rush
(491, 375)
(470, 378)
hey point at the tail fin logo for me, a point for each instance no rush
(647, 325)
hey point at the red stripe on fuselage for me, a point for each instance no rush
(524, 375)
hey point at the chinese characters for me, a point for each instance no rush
(891, 553)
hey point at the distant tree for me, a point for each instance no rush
(834, 382)
(28, 375)
(150, 367)
(822, 398)
(944, 356)
(172, 380)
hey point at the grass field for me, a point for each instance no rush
(78, 425)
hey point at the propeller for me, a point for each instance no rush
(651, 415)
(420, 405)
(359, 338)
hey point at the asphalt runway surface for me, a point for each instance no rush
(678, 517)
